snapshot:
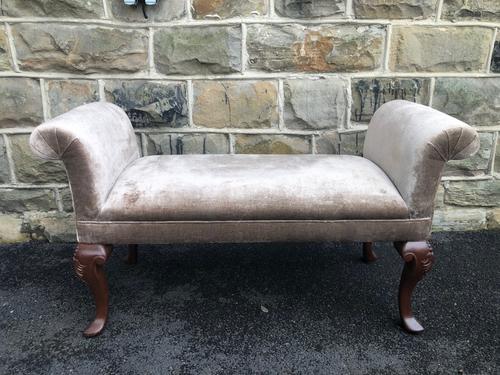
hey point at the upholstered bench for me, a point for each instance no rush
(122, 198)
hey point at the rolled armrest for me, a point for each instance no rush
(411, 143)
(95, 142)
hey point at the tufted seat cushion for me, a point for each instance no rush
(252, 187)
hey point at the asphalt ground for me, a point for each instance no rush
(253, 308)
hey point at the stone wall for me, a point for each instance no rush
(245, 76)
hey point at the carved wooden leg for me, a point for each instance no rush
(418, 257)
(369, 255)
(131, 257)
(89, 262)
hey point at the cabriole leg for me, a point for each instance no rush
(131, 257)
(369, 255)
(89, 263)
(418, 258)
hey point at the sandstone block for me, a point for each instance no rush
(439, 49)
(495, 57)
(497, 156)
(4, 51)
(328, 143)
(228, 8)
(79, 49)
(10, 229)
(325, 48)
(472, 100)
(473, 193)
(352, 143)
(459, 219)
(4, 163)
(198, 50)
(20, 102)
(53, 8)
(347, 143)
(368, 94)
(310, 8)
(235, 104)
(163, 11)
(66, 199)
(179, 144)
(394, 9)
(475, 165)
(64, 95)
(49, 226)
(315, 104)
(20, 200)
(150, 104)
(494, 219)
(485, 10)
(31, 169)
(271, 144)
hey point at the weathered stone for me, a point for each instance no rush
(228, 8)
(20, 102)
(53, 8)
(368, 94)
(271, 144)
(351, 143)
(315, 104)
(20, 200)
(310, 8)
(394, 9)
(328, 143)
(475, 165)
(80, 49)
(10, 229)
(150, 104)
(29, 168)
(495, 57)
(49, 226)
(235, 104)
(497, 156)
(459, 219)
(178, 144)
(485, 10)
(4, 51)
(439, 49)
(494, 219)
(347, 143)
(472, 100)
(64, 95)
(198, 50)
(324, 48)
(484, 193)
(67, 201)
(4, 163)
(439, 200)
(168, 10)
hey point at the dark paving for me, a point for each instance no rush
(264, 308)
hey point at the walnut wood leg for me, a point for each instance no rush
(369, 255)
(131, 257)
(89, 262)
(418, 257)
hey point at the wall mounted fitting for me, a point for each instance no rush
(143, 3)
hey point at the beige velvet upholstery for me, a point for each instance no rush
(96, 142)
(253, 187)
(411, 143)
(386, 195)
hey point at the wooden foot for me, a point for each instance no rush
(89, 262)
(418, 257)
(131, 257)
(368, 253)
